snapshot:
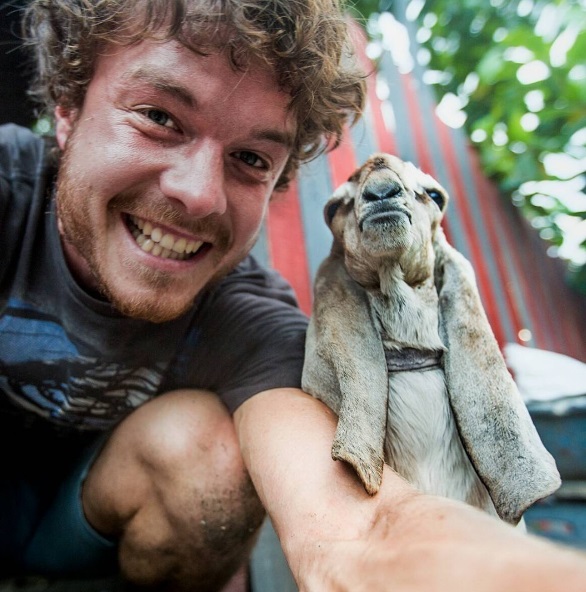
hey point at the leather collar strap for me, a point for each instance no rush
(407, 359)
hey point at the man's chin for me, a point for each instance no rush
(155, 305)
(146, 310)
(156, 297)
(160, 303)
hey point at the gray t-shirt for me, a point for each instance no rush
(75, 360)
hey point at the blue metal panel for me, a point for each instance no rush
(315, 188)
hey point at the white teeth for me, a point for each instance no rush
(148, 245)
(179, 246)
(167, 241)
(152, 240)
(157, 234)
(193, 246)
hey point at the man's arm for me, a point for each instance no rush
(336, 537)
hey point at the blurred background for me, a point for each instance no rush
(14, 68)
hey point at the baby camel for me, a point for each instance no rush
(400, 349)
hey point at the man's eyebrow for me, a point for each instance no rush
(160, 81)
(285, 138)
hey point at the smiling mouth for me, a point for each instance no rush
(160, 243)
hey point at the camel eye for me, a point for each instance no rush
(437, 197)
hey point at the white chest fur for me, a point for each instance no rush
(422, 442)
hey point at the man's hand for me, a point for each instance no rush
(337, 538)
(432, 545)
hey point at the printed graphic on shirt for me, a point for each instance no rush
(42, 370)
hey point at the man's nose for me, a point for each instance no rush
(195, 179)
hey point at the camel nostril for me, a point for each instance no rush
(381, 192)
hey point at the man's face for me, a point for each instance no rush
(166, 174)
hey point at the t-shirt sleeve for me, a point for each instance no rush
(251, 336)
(21, 154)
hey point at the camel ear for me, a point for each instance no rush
(345, 368)
(494, 424)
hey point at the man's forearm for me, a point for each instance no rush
(336, 537)
(286, 439)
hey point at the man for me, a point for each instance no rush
(150, 371)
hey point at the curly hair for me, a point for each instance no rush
(305, 42)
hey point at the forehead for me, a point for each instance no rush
(391, 166)
(388, 166)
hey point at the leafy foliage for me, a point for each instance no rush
(516, 71)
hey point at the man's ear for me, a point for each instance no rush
(64, 123)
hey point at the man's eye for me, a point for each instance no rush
(251, 159)
(160, 118)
